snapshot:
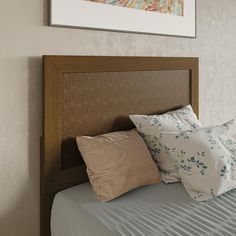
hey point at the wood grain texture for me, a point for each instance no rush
(89, 95)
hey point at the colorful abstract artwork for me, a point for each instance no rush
(173, 7)
(164, 17)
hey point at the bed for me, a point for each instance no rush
(89, 95)
(154, 210)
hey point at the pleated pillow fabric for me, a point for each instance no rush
(206, 159)
(117, 163)
(150, 128)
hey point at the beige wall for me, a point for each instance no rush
(25, 37)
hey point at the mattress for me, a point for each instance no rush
(154, 210)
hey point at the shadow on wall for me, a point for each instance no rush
(22, 219)
(35, 132)
(46, 12)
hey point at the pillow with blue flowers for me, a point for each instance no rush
(150, 128)
(206, 159)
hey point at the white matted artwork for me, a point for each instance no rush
(167, 17)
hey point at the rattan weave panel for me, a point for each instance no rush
(96, 103)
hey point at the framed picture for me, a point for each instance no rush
(166, 17)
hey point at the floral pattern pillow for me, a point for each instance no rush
(150, 128)
(206, 159)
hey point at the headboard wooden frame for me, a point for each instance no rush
(90, 95)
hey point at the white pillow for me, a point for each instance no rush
(150, 128)
(206, 159)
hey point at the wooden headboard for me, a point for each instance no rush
(88, 95)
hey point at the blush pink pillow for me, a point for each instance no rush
(117, 163)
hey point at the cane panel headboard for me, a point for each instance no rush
(89, 95)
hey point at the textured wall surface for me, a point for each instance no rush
(25, 37)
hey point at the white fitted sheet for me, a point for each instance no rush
(160, 209)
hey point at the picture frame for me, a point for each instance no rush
(96, 15)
